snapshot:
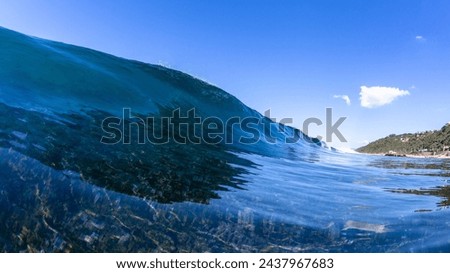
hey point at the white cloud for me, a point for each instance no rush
(420, 38)
(376, 96)
(344, 97)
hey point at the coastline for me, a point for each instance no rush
(445, 155)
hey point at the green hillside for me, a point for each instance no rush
(431, 142)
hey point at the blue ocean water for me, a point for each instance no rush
(62, 190)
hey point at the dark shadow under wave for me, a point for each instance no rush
(166, 173)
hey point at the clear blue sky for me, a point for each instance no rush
(290, 56)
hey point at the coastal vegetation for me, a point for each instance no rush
(434, 142)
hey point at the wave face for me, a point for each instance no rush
(71, 182)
